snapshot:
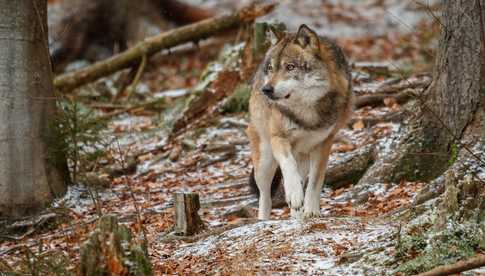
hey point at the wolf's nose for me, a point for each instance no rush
(268, 89)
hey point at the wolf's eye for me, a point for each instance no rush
(269, 67)
(290, 67)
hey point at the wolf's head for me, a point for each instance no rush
(294, 70)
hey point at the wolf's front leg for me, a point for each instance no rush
(264, 171)
(293, 182)
(316, 176)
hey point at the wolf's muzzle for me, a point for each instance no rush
(268, 90)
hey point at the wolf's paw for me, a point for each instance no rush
(311, 214)
(294, 197)
(296, 213)
(311, 206)
(295, 202)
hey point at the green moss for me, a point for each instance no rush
(424, 252)
(453, 154)
(410, 245)
(238, 101)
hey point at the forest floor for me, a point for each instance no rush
(141, 168)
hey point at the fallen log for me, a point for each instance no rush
(370, 121)
(418, 82)
(377, 99)
(401, 92)
(193, 32)
(461, 266)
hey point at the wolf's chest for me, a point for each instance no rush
(303, 141)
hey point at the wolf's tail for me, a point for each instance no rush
(277, 179)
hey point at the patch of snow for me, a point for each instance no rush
(297, 246)
(77, 198)
(387, 144)
(172, 93)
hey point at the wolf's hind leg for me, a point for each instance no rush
(292, 180)
(264, 170)
(316, 176)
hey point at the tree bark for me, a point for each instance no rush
(28, 180)
(187, 219)
(453, 102)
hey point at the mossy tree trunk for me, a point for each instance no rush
(28, 181)
(450, 128)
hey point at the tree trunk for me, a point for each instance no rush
(28, 180)
(451, 111)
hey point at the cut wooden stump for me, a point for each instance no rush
(111, 250)
(187, 219)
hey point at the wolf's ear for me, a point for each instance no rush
(275, 35)
(306, 37)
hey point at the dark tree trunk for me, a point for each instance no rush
(450, 120)
(28, 181)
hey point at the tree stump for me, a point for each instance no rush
(110, 250)
(187, 220)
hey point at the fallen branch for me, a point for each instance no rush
(475, 262)
(401, 92)
(377, 99)
(393, 87)
(150, 46)
(369, 121)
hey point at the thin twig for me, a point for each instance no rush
(134, 84)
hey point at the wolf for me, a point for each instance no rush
(301, 96)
